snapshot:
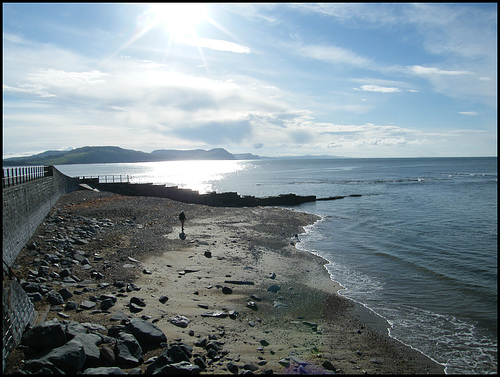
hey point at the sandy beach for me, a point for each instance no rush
(234, 276)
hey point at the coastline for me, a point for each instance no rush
(306, 322)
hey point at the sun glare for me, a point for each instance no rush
(180, 19)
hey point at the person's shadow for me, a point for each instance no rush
(182, 235)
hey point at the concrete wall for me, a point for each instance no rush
(24, 208)
(26, 205)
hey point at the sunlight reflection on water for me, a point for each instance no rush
(195, 175)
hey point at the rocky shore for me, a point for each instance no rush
(119, 289)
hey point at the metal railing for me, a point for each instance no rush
(108, 178)
(17, 175)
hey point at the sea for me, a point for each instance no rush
(418, 248)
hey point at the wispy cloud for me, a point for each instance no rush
(379, 89)
(469, 113)
(215, 44)
(331, 54)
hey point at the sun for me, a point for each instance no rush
(179, 19)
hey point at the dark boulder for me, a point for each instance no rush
(46, 335)
(146, 333)
(128, 351)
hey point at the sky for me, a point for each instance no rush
(352, 80)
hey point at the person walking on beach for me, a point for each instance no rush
(182, 218)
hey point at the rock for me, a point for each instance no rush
(163, 299)
(312, 325)
(135, 308)
(184, 367)
(69, 358)
(107, 354)
(119, 284)
(178, 353)
(208, 254)
(272, 275)
(227, 290)
(200, 362)
(54, 298)
(89, 342)
(232, 367)
(284, 362)
(179, 321)
(251, 367)
(102, 371)
(41, 366)
(264, 342)
(88, 305)
(138, 301)
(201, 342)
(328, 365)
(146, 333)
(107, 304)
(274, 288)
(65, 293)
(74, 328)
(132, 287)
(46, 335)
(128, 350)
(118, 316)
(71, 305)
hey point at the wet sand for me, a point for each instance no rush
(220, 276)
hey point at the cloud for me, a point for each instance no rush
(469, 113)
(379, 89)
(425, 71)
(215, 44)
(331, 54)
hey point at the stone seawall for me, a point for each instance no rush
(26, 205)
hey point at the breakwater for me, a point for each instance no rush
(225, 199)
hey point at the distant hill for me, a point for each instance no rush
(95, 155)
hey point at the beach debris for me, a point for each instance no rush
(180, 321)
(274, 288)
(278, 304)
(146, 272)
(252, 305)
(239, 282)
(220, 314)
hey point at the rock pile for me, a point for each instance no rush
(63, 347)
